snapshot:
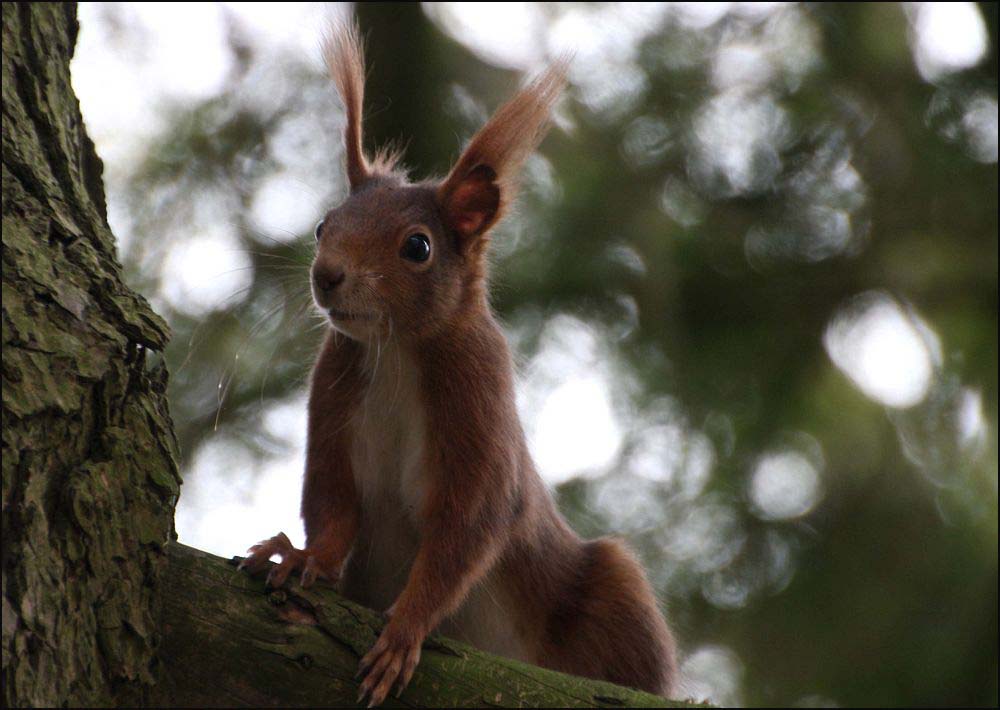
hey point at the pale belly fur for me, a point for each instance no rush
(387, 460)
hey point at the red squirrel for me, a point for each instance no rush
(420, 496)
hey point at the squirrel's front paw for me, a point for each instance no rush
(292, 560)
(390, 662)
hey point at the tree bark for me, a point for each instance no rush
(229, 641)
(89, 474)
(99, 607)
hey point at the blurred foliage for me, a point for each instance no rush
(706, 219)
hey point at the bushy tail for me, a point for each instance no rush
(610, 626)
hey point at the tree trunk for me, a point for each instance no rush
(89, 474)
(99, 608)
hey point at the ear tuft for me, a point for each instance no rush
(486, 172)
(345, 60)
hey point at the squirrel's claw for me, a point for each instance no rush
(390, 663)
(260, 554)
(292, 560)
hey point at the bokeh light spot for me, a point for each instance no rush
(948, 37)
(206, 272)
(784, 485)
(888, 352)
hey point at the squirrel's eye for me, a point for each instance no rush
(417, 247)
(319, 229)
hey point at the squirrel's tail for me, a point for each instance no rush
(609, 625)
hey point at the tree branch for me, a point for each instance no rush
(228, 641)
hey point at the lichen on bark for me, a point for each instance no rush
(89, 472)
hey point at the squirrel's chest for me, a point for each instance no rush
(389, 432)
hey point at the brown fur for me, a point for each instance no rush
(415, 448)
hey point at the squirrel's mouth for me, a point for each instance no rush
(348, 316)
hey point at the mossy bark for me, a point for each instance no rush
(99, 607)
(228, 641)
(89, 473)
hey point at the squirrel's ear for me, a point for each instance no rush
(345, 60)
(484, 180)
(472, 204)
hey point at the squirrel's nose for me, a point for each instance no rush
(328, 278)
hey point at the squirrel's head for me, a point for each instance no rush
(410, 258)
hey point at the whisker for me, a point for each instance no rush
(268, 255)
(223, 391)
(267, 365)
